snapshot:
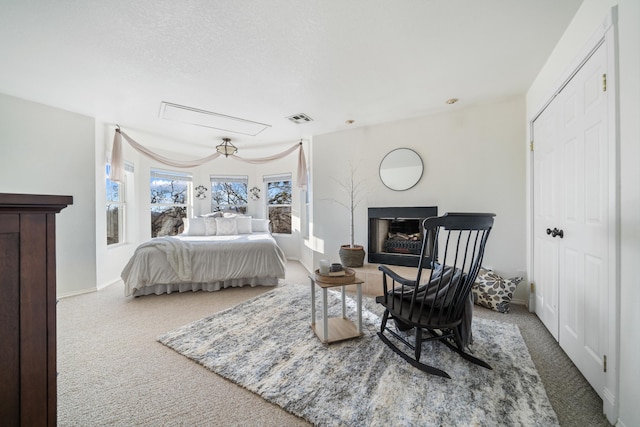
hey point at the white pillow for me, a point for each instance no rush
(210, 225)
(259, 225)
(212, 214)
(226, 226)
(244, 224)
(194, 226)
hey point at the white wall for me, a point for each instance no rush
(588, 19)
(629, 78)
(474, 161)
(46, 150)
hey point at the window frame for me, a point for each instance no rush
(214, 180)
(281, 177)
(306, 224)
(120, 204)
(172, 176)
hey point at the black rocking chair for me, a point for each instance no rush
(442, 305)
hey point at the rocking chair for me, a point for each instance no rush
(442, 305)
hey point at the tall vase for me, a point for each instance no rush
(352, 256)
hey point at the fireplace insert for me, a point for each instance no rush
(395, 234)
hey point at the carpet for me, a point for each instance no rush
(267, 346)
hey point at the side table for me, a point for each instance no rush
(335, 328)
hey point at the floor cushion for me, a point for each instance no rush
(492, 291)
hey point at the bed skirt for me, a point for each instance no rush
(161, 288)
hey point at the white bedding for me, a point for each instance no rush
(191, 263)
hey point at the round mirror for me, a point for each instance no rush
(401, 169)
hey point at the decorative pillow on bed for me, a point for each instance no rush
(260, 225)
(244, 224)
(226, 226)
(492, 291)
(212, 215)
(194, 226)
(210, 226)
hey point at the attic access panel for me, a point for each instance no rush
(195, 116)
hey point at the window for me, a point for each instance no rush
(307, 218)
(279, 202)
(115, 210)
(169, 202)
(229, 193)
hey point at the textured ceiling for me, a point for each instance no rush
(366, 60)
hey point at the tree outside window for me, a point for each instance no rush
(115, 210)
(279, 198)
(169, 202)
(229, 193)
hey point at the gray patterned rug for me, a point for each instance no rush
(267, 346)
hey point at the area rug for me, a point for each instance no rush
(267, 346)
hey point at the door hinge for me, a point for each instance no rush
(531, 146)
(605, 363)
(604, 82)
(532, 288)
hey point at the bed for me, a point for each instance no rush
(196, 261)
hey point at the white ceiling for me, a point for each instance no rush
(366, 60)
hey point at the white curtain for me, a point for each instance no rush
(117, 161)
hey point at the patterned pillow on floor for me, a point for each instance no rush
(492, 291)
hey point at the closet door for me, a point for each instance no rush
(547, 214)
(571, 218)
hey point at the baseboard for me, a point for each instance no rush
(72, 294)
(520, 302)
(113, 282)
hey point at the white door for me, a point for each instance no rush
(571, 218)
(547, 203)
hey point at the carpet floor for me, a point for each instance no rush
(112, 370)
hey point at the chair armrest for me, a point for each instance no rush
(396, 277)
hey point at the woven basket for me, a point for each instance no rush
(352, 256)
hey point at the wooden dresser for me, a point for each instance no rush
(28, 308)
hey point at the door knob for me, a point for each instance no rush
(555, 232)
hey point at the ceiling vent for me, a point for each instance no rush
(300, 118)
(194, 116)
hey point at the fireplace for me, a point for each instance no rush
(395, 234)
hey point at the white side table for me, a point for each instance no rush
(335, 329)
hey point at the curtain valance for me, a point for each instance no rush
(117, 160)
